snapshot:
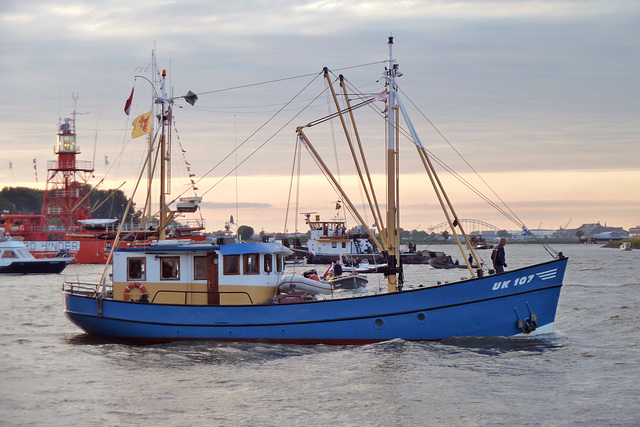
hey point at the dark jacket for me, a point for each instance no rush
(337, 270)
(498, 257)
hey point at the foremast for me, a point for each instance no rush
(165, 104)
(163, 156)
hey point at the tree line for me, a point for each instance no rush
(104, 203)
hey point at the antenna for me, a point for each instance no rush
(75, 97)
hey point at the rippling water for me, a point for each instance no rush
(586, 373)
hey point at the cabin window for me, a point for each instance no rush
(9, 254)
(334, 244)
(170, 268)
(252, 264)
(136, 269)
(200, 268)
(268, 263)
(231, 264)
(279, 262)
(344, 245)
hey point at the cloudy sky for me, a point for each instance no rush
(541, 97)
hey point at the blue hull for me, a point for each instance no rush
(497, 305)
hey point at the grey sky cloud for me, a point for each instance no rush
(527, 85)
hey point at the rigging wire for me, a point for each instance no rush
(520, 222)
(296, 167)
(333, 132)
(511, 215)
(405, 133)
(316, 75)
(254, 133)
(284, 79)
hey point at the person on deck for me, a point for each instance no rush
(337, 269)
(498, 256)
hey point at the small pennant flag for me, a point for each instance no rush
(127, 105)
(382, 96)
(106, 160)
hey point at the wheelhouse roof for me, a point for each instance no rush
(233, 249)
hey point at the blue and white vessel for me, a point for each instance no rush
(173, 290)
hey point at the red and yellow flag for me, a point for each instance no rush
(141, 125)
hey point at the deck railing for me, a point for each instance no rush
(90, 290)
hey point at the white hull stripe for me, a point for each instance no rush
(549, 274)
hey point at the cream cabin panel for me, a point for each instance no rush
(164, 292)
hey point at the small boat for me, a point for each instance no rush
(97, 224)
(305, 285)
(169, 291)
(296, 261)
(478, 242)
(358, 266)
(626, 246)
(331, 280)
(419, 257)
(349, 281)
(352, 281)
(445, 262)
(16, 259)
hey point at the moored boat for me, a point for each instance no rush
(360, 266)
(352, 281)
(16, 259)
(169, 291)
(445, 262)
(479, 242)
(311, 285)
(329, 239)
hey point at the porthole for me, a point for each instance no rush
(420, 317)
(379, 323)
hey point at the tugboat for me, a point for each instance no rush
(329, 239)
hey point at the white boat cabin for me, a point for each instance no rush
(330, 237)
(235, 274)
(13, 250)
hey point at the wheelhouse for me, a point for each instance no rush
(242, 274)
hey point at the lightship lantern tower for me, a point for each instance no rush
(66, 195)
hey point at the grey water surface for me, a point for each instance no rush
(585, 373)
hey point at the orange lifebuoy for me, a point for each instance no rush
(134, 285)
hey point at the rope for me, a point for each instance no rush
(283, 79)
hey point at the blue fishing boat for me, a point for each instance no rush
(177, 290)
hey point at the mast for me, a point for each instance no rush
(394, 272)
(147, 203)
(164, 221)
